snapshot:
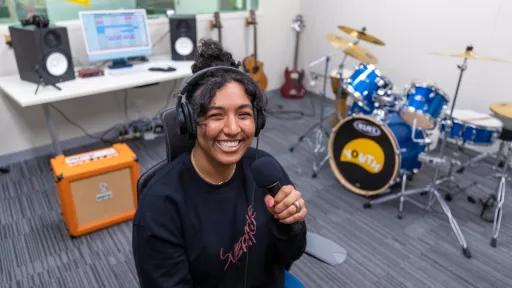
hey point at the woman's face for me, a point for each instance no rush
(227, 129)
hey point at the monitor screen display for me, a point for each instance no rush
(115, 34)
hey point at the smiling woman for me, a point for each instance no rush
(202, 214)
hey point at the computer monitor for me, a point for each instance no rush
(115, 35)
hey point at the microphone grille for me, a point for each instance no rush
(266, 171)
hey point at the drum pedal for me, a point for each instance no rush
(471, 199)
(487, 213)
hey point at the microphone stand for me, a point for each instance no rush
(318, 127)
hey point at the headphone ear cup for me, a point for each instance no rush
(190, 121)
(260, 122)
(182, 126)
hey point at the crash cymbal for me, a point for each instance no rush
(361, 34)
(351, 49)
(470, 54)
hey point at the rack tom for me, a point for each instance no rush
(425, 105)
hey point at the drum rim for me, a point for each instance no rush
(356, 95)
(414, 110)
(429, 84)
(339, 176)
(496, 130)
(369, 66)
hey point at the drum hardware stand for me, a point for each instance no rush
(500, 157)
(317, 167)
(436, 181)
(500, 197)
(318, 127)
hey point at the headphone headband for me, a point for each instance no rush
(186, 117)
(200, 75)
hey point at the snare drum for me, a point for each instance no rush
(363, 84)
(425, 104)
(367, 156)
(474, 128)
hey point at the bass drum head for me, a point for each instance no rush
(364, 155)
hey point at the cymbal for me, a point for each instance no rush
(502, 108)
(470, 54)
(361, 34)
(351, 49)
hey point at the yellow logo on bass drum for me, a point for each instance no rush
(364, 152)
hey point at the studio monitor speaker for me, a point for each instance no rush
(43, 54)
(96, 189)
(183, 37)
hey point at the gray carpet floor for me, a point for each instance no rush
(418, 251)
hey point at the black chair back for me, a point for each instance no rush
(175, 145)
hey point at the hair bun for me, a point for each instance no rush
(210, 54)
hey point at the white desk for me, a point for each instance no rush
(23, 92)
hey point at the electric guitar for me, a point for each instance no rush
(293, 87)
(251, 64)
(215, 24)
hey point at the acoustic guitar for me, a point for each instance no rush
(293, 87)
(251, 64)
(215, 24)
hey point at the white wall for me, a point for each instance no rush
(24, 128)
(414, 28)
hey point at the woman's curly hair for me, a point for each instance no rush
(211, 54)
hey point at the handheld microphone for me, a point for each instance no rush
(267, 174)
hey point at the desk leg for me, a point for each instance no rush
(51, 130)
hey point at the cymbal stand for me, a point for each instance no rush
(500, 197)
(433, 188)
(499, 156)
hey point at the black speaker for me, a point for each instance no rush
(183, 37)
(43, 54)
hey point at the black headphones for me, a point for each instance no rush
(40, 21)
(185, 115)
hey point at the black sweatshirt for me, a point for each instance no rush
(189, 233)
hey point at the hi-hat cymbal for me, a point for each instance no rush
(361, 34)
(502, 108)
(470, 54)
(351, 49)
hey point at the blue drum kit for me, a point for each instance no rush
(385, 138)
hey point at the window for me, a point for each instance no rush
(58, 10)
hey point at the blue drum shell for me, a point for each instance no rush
(409, 150)
(427, 100)
(364, 88)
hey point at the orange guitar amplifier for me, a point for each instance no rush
(96, 189)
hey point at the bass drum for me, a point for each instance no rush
(367, 156)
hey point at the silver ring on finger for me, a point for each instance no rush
(297, 206)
